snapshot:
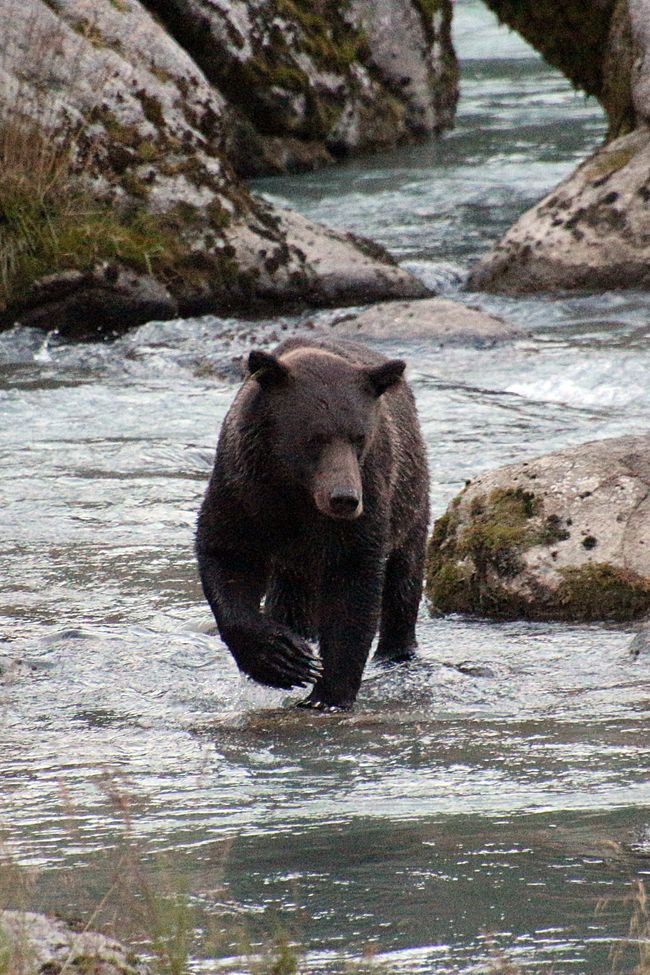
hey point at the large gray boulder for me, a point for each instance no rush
(34, 943)
(592, 231)
(306, 83)
(565, 536)
(117, 197)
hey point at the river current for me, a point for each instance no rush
(486, 805)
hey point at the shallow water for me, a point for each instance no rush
(488, 800)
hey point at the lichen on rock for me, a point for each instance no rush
(512, 543)
(35, 943)
(591, 231)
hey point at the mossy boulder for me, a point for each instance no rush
(117, 200)
(308, 82)
(562, 537)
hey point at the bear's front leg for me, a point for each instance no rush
(349, 617)
(264, 650)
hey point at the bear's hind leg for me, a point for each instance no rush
(291, 601)
(400, 600)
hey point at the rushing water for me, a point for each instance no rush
(487, 801)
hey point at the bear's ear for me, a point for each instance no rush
(266, 369)
(383, 377)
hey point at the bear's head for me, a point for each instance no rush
(321, 414)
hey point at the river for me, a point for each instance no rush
(486, 805)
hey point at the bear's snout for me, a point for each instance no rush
(338, 492)
(345, 503)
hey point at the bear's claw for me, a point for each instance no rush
(314, 703)
(279, 659)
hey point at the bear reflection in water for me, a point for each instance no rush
(318, 507)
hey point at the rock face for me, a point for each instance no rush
(118, 203)
(33, 943)
(562, 537)
(436, 321)
(592, 231)
(307, 82)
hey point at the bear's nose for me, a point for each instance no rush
(344, 502)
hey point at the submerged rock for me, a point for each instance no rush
(117, 199)
(593, 230)
(435, 320)
(33, 943)
(13, 669)
(640, 642)
(562, 537)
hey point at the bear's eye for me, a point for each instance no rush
(317, 442)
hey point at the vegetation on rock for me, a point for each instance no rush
(476, 564)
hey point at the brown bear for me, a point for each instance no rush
(318, 504)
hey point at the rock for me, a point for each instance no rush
(640, 643)
(307, 83)
(13, 668)
(592, 231)
(410, 45)
(103, 301)
(322, 266)
(121, 208)
(435, 320)
(36, 943)
(562, 537)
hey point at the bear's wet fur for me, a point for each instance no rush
(317, 507)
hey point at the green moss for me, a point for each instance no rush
(152, 108)
(126, 135)
(135, 186)
(91, 32)
(450, 589)
(259, 70)
(186, 213)
(607, 162)
(218, 216)
(318, 30)
(464, 563)
(469, 565)
(327, 37)
(600, 591)
(428, 7)
(499, 529)
(147, 151)
(161, 74)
